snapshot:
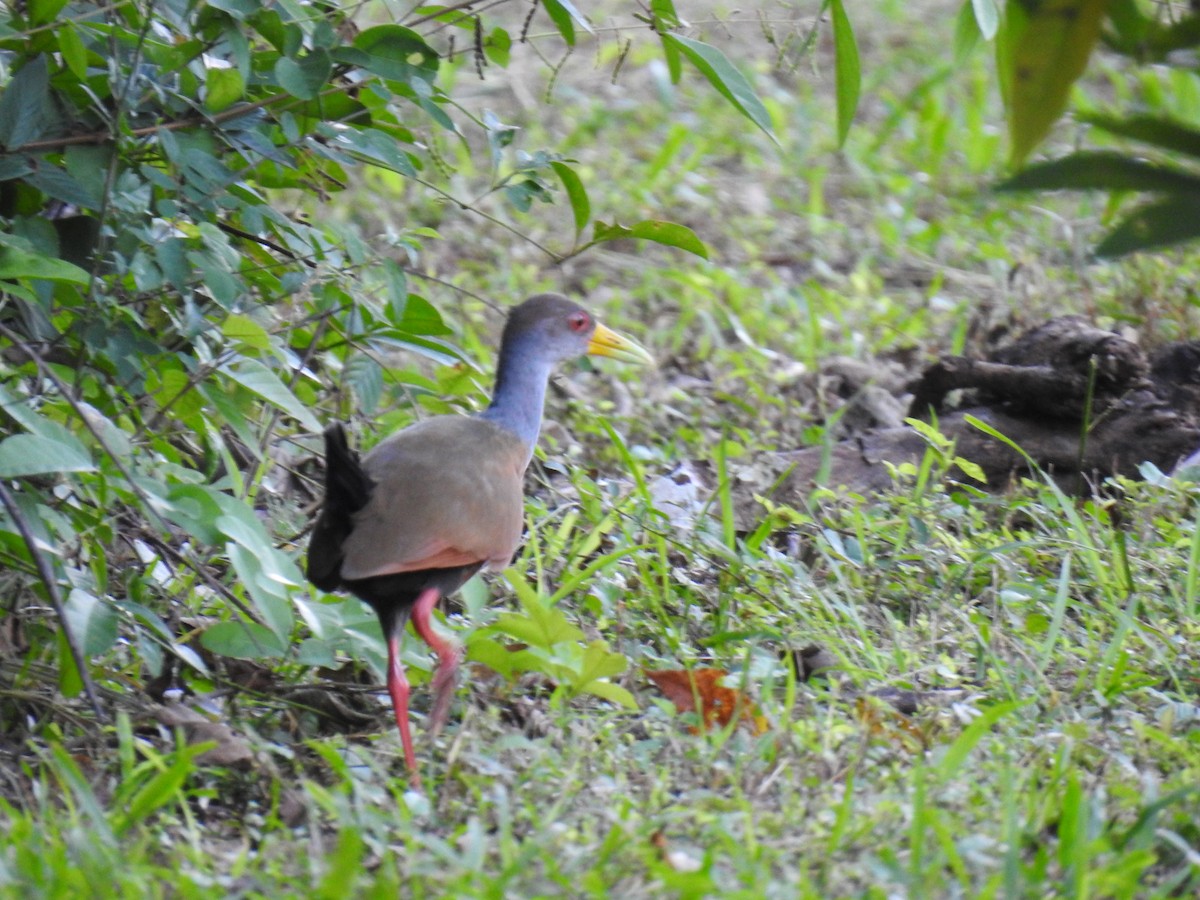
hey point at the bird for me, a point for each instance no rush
(440, 500)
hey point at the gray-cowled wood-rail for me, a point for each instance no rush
(433, 504)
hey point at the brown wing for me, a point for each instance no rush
(448, 492)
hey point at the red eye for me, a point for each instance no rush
(578, 321)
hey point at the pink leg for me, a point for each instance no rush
(449, 654)
(398, 688)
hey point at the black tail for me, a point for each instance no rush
(347, 490)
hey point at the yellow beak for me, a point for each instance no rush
(606, 342)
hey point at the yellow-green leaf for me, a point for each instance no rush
(1044, 48)
(846, 68)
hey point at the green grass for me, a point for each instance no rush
(1056, 753)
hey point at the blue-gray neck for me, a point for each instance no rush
(520, 393)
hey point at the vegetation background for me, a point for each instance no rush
(228, 223)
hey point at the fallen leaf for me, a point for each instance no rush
(231, 749)
(679, 860)
(701, 691)
(884, 721)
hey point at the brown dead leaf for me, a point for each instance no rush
(885, 722)
(677, 859)
(232, 749)
(701, 691)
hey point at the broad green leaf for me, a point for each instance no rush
(42, 12)
(317, 652)
(667, 233)
(1171, 221)
(70, 681)
(722, 75)
(304, 77)
(29, 454)
(497, 47)
(243, 640)
(15, 167)
(26, 108)
(1044, 49)
(491, 653)
(224, 87)
(365, 377)
(613, 693)
(373, 146)
(397, 53)
(1162, 132)
(258, 379)
(255, 573)
(421, 317)
(93, 622)
(581, 207)
(19, 263)
(61, 185)
(600, 662)
(245, 330)
(74, 54)
(194, 508)
(1101, 170)
(846, 66)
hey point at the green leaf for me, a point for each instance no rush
(28, 454)
(1101, 170)
(600, 662)
(613, 693)
(397, 53)
(722, 75)
(1165, 133)
(304, 77)
(365, 377)
(581, 207)
(497, 47)
(255, 377)
(666, 233)
(162, 788)
(225, 87)
(956, 754)
(1044, 48)
(664, 14)
(846, 67)
(372, 146)
(672, 55)
(26, 108)
(93, 623)
(18, 263)
(74, 54)
(243, 640)
(966, 31)
(564, 15)
(246, 331)
(987, 15)
(1171, 221)
(42, 12)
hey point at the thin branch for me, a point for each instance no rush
(46, 573)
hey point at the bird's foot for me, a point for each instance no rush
(445, 679)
